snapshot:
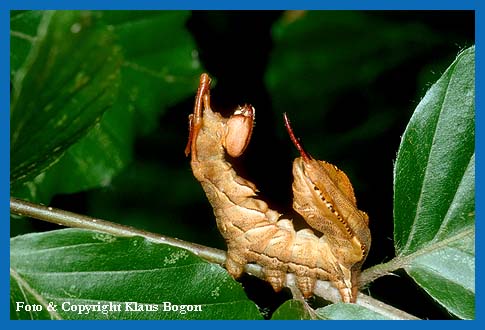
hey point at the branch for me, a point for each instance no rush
(69, 219)
(74, 220)
(372, 273)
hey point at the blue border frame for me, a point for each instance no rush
(248, 4)
(5, 152)
(6, 6)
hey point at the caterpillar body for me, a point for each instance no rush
(254, 232)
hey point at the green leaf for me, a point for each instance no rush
(78, 267)
(23, 31)
(67, 81)
(342, 311)
(161, 65)
(291, 310)
(295, 310)
(91, 162)
(155, 74)
(434, 190)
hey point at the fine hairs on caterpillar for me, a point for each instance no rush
(254, 233)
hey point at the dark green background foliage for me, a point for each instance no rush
(100, 103)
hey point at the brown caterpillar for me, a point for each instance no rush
(323, 195)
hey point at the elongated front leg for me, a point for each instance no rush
(195, 119)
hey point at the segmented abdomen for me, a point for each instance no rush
(253, 231)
